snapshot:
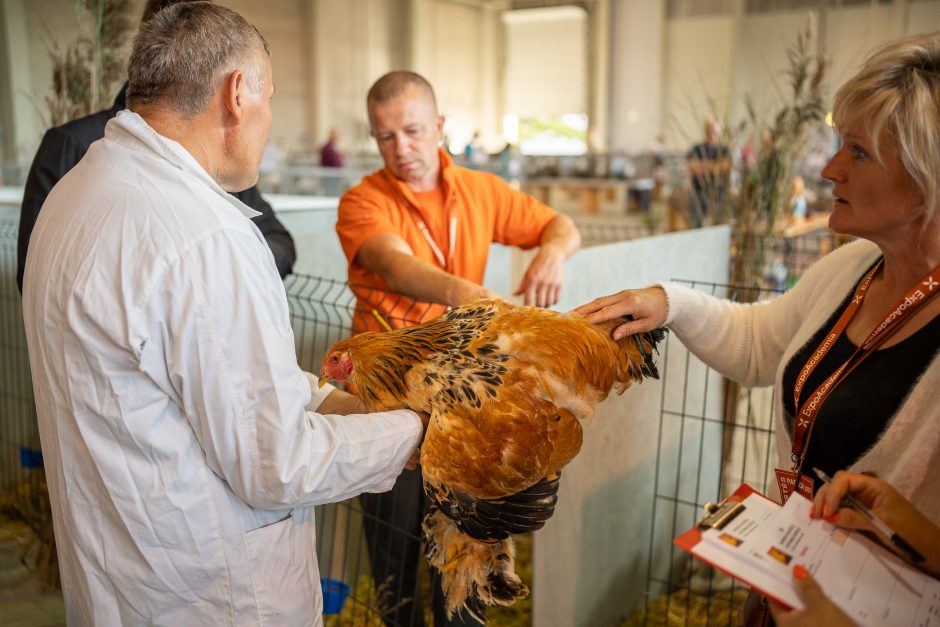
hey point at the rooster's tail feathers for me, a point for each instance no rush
(473, 574)
(648, 345)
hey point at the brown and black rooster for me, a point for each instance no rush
(505, 387)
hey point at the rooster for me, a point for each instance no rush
(505, 387)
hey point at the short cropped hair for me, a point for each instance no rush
(897, 91)
(155, 6)
(393, 84)
(182, 53)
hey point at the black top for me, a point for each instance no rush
(63, 146)
(859, 409)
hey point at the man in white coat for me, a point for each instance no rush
(184, 447)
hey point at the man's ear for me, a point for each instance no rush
(233, 94)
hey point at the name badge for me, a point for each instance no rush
(786, 481)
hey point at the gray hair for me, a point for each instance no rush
(897, 91)
(155, 6)
(182, 53)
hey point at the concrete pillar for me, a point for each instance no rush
(490, 75)
(598, 75)
(733, 106)
(311, 69)
(352, 44)
(637, 45)
(19, 122)
(421, 15)
(401, 33)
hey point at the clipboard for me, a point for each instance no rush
(717, 517)
(758, 541)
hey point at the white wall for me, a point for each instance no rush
(922, 17)
(759, 69)
(591, 557)
(454, 45)
(349, 48)
(458, 38)
(328, 52)
(283, 24)
(699, 66)
(546, 61)
(852, 33)
(727, 56)
(637, 46)
(17, 120)
(39, 25)
(33, 29)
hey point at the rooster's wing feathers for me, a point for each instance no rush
(489, 436)
(496, 519)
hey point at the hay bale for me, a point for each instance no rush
(686, 607)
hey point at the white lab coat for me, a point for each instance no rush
(180, 459)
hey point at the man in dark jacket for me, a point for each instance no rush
(63, 146)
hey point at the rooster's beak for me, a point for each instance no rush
(323, 381)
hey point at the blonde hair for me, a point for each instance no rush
(897, 91)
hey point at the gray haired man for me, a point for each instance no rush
(183, 445)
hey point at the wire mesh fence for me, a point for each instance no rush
(607, 230)
(20, 457)
(352, 597)
(713, 436)
(356, 542)
(324, 311)
(780, 261)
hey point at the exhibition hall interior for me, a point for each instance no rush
(679, 141)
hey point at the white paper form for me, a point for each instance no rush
(870, 583)
(738, 550)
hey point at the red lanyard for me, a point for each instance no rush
(445, 263)
(918, 296)
(451, 239)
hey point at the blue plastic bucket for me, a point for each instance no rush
(30, 457)
(334, 595)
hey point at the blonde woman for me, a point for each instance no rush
(852, 348)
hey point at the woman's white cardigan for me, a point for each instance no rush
(752, 344)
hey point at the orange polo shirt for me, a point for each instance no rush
(469, 211)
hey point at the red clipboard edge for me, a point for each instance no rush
(693, 536)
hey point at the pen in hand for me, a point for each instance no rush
(884, 529)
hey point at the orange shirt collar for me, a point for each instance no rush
(448, 174)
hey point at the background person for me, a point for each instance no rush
(330, 156)
(884, 413)
(421, 228)
(184, 448)
(709, 164)
(64, 146)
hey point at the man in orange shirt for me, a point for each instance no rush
(417, 234)
(422, 227)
